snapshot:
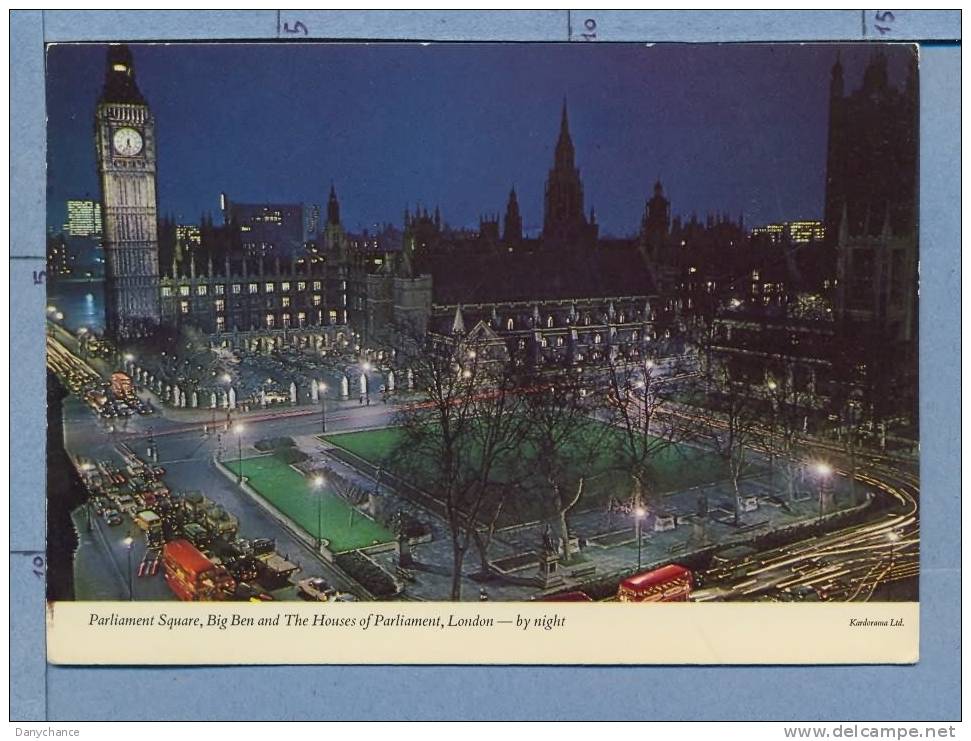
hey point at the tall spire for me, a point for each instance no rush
(564, 145)
(120, 84)
(513, 226)
(333, 207)
(563, 219)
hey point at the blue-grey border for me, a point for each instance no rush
(929, 690)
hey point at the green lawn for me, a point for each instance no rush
(293, 495)
(675, 467)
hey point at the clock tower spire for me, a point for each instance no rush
(125, 150)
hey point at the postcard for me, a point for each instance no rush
(482, 353)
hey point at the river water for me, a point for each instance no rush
(81, 301)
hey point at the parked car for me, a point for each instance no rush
(112, 517)
(315, 589)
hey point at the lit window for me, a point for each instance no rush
(254, 287)
(559, 342)
(237, 288)
(343, 285)
(269, 288)
(343, 299)
(220, 323)
(220, 305)
(166, 291)
(301, 318)
(549, 321)
(316, 285)
(285, 301)
(201, 290)
(270, 321)
(184, 306)
(285, 286)
(286, 320)
(332, 316)
(183, 290)
(510, 324)
(220, 289)
(597, 339)
(316, 300)
(544, 342)
(302, 286)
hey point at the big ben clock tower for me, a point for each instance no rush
(125, 141)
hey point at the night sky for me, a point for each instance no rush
(733, 128)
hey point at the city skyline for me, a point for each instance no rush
(466, 165)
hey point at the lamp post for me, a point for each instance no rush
(238, 427)
(823, 471)
(639, 514)
(318, 484)
(321, 390)
(129, 542)
(771, 385)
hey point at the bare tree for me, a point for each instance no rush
(458, 435)
(791, 400)
(734, 425)
(563, 444)
(639, 401)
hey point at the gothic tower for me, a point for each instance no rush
(333, 232)
(125, 144)
(563, 219)
(512, 232)
(657, 219)
(333, 207)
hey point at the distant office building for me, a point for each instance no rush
(266, 229)
(59, 258)
(83, 219)
(796, 232)
(189, 236)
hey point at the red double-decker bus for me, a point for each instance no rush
(671, 583)
(192, 576)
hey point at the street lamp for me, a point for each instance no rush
(823, 471)
(894, 537)
(129, 542)
(771, 385)
(238, 428)
(321, 390)
(639, 514)
(318, 484)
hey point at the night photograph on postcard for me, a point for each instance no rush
(342, 322)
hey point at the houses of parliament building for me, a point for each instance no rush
(567, 296)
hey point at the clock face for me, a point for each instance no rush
(127, 142)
